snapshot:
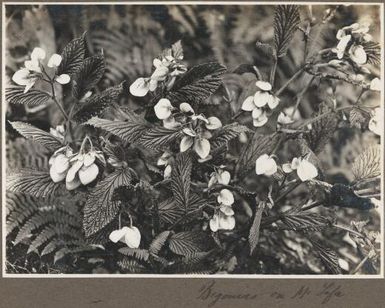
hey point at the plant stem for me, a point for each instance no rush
(288, 191)
(317, 118)
(299, 72)
(360, 265)
(272, 72)
(313, 205)
(57, 103)
(349, 230)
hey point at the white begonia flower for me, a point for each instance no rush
(202, 147)
(263, 85)
(163, 109)
(213, 123)
(357, 54)
(33, 66)
(222, 222)
(160, 73)
(186, 108)
(128, 235)
(171, 123)
(266, 165)
(341, 46)
(23, 77)
(225, 197)
(164, 160)
(263, 97)
(260, 120)
(63, 78)
(220, 176)
(376, 84)
(167, 171)
(305, 169)
(227, 210)
(38, 54)
(54, 60)
(88, 174)
(376, 122)
(140, 87)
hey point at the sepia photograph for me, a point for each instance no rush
(192, 140)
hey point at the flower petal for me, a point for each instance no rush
(341, 46)
(38, 54)
(226, 222)
(160, 73)
(61, 163)
(262, 120)
(248, 104)
(54, 60)
(273, 101)
(74, 184)
(225, 197)
(214, 123)
(188, 131)
(32, 65)
(30, 84)
(260, 164)
(271, 167)
(263, 85)
(21, 77)
(287, 168)
(116, 235)
(227, 210)
(171, 123)
(214, 223)
(202, 147)
(56, 176)
(306, 170)
(186, 108)
(139, 87)
(257, 112)
(73, 171)
(186, 143)
(132, 237)
(167, 172)
(376, 84)
(224, 177)
(163, 109)
(358, 54)
(261, 98)
(88, 174)
(284, 119)
(63, 78)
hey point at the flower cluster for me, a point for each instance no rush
(197, 131)
(220, 176)
(167, 67)
(305, 169)
(261, 103)
(128, 235)
(351, 38)
(223, 219)
(76, 169)
(33, 70)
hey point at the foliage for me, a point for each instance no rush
(147, 160)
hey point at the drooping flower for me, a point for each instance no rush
(165, 160)
(341, 46)
(358, 54)
(284, 118)
(186, 108)
(201, 145)
(129, 235)
(59, 164)
(220, 176)
(266, 165)
(376, 122)
(264, 97)
(163, 109)
(305, 169)
(376, 84)
(140, 87)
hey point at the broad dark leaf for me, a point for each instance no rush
(87, 75)
(99, 209)
(159, 138)
(188, 243)
(95, 105)
(227, 133)
(344, 196)
(328, 256)
(16, 95)
(72, 56)
(35, 134)
(181, 180)
(305, 221)
(197, 84)
(128, 131)
(322, 130)
(32, 182)
(169, 212)
(258, 145)
(368, 164)
(373, 52)
(286, 20)
(254, 230)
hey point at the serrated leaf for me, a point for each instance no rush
(257, 145)
(181, 180)
(368, 163)
(188, 243)
(328, 256)
(254, 229)
(198, 83)
(87, 75)
(169, 212)
(99, 209)
(305, 221)
(357, 118)
(286, 20)
(72, 56)
(127, 131)
(159, 138)
(322, 129)
(373, 52)
(227, 133)
(95, 105)
(33, 133)
(157, 244)
(140, 254)
(32, 182)
(16, 95)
